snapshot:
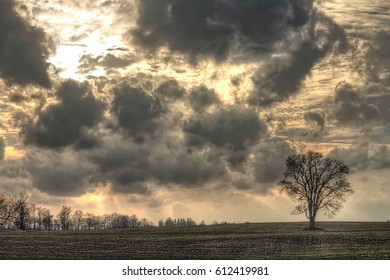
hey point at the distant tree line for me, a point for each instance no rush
(67, 219)
(17, 213)
(181, 222)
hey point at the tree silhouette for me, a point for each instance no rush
(22, 210)
(315, 182)
(8, 207)
(64, 217)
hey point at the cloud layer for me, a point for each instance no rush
(23, 49)
(173, 102)
(66, 122)
(213, 28)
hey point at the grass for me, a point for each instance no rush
(239, 241)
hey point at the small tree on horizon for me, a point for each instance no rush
(315, 183)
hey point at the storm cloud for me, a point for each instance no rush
(125, 166)
(190, 105)
(364, 156)
(229, 127)
(109, 61)
(352, 108)
(60, 173)
(138, 112)
(282, 76)
(269, 160)
(212, 28)
(285, 39)
(187, 169)
(170, 90)
(202, 97)
(14, 177)
(131, 167)
(316, 117)
(66, 122)
(377, 58)
(24, 49)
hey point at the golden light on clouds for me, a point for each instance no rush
(269, 88)
(14, 153)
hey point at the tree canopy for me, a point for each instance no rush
(315, 183)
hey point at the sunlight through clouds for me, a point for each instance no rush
(160, 108)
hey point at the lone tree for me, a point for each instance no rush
(315, 182)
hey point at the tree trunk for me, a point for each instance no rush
(22, 226)
(312, 222)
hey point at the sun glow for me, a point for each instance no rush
(94, 197)
(94, 202)
(67, 57)
(13, 153)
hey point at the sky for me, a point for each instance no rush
(189, 108)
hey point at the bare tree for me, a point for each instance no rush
(78, 219)
(145, 223)
(90, 221)
(133, 221)
(47, 219)
(64, 217)
(39, 216)
(104, 221)
(7, 208)
(56, 224)
(33, 216)
(316, 182)
(22, 210)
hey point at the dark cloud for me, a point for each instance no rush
(19, 119)
(17, 98)
(88, 62)
(125, 167)
(380, 157)
(68, 121)
(121, 49)
(286, 37)
(13, 169)
(362, 157)
(212, 28)
(316, 117)
(107, 3)
(236, 158)
(234, 128)
(201, 98)
(282, 79)
(170, 90)
(112, 61)
(23, 49)
(14, 177)
(377, 58)
(131, 167)
(269, 160)
(138, 112)
(155, 203)
(380, 97)
(282, 76)
(186, 169)
(109, 61)
(61, 173)
(242, 182)
(352, 108)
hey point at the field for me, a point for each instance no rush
(237, 241)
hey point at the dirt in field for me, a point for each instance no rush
(239, 241)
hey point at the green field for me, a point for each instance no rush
(237, 241)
